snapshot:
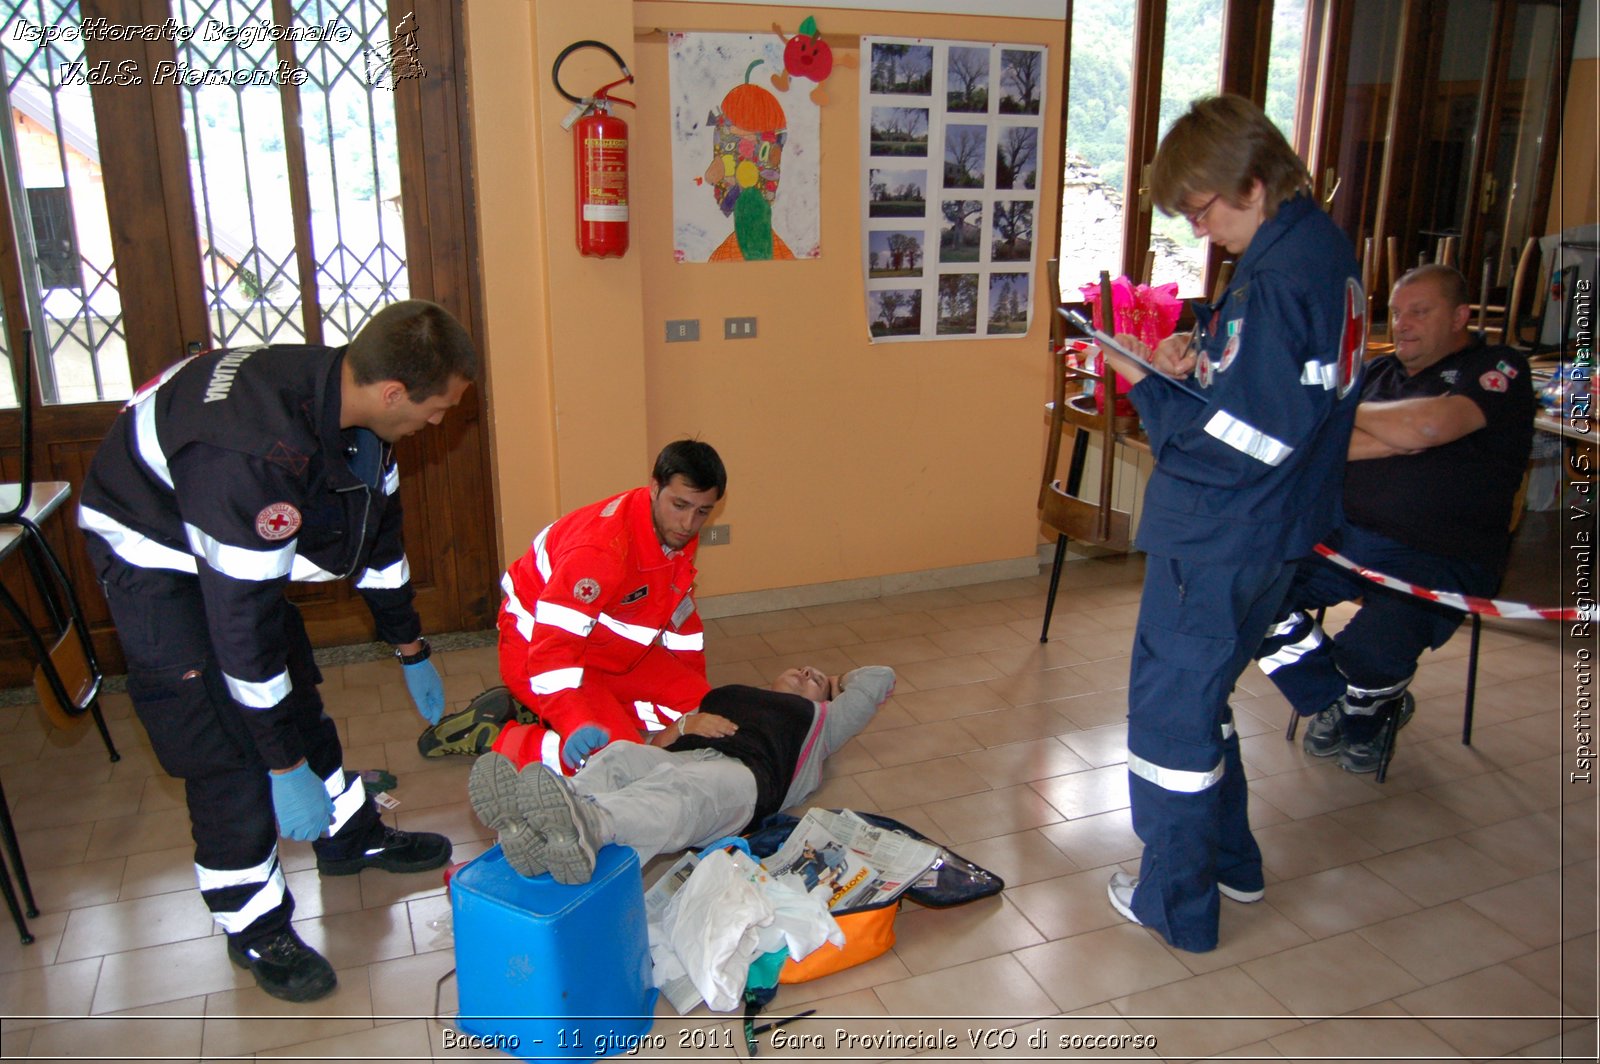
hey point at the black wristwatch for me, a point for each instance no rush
(414, 659)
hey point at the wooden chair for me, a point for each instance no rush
(67, 675)
(1508, 329)
(1061, 507)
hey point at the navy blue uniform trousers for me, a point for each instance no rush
(1374, 656)
(1199, 625)
(199, 737)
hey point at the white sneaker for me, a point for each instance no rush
(1245, 896)
(1120, 892)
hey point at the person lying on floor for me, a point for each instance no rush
(696, 789)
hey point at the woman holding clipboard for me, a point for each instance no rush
(1249, 442)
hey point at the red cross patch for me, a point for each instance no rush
(278, 521)
(1493, 381)
(1353, 343)
(586, 589)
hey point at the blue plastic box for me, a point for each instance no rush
(546, 970)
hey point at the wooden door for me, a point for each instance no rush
(189, 211)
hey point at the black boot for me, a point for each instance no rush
(285, 967)
(392, 851)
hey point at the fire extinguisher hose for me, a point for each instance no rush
(555, 71)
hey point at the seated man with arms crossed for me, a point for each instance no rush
(1441, 440)
(686, 789)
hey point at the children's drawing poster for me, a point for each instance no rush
(745, 156)
(950, 140)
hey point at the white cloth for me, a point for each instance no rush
(713, 924)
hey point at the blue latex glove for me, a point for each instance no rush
(581, 743)
(301, 802)
(427, 690)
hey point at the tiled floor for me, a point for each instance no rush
(1448, 914)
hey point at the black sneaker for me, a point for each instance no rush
(1368, 756)
(393, 851)
(285, 967)
(1324, 732)
(471, 730)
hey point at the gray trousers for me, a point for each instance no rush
(660, 801)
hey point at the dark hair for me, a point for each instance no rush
(1221, 145)
(1451, 284)
(696, 462)
(417, 343)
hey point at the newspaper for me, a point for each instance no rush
(856, 863)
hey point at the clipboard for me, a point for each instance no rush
(1082, 325)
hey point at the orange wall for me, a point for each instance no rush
(846, 460)
(564, 346)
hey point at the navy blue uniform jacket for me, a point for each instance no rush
(231, 467)
(1255, 473)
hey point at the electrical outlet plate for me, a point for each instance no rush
(716, 535)
(738, 328)
(682, 330)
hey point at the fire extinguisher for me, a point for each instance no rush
(600, 153)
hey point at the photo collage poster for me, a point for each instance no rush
(950, 138)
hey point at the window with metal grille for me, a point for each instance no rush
(296, 182)
(289, 121)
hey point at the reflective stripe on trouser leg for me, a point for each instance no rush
(1181, 831)
(349, 794)
(1365, 701)
(199, 737)
(1199, 625)
(238, 898)
(1299, 658)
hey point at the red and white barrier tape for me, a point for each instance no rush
(1458, 601)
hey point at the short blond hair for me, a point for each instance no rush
(1222, 145)
(1446, 279)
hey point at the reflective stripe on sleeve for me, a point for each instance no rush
(649, 715)
(391, 479)
(305, 571)
(1173, 779)
(550, 750)
(1320, 374)
(1246, 439)
(259, 695)
(515, 607)
(387, 578)
(548, 683)
(241, 563)
(541, 558)
(148, 442)
(637, 632)
(1227, 730)
(564, 617)
(683, 641)
(135, 548)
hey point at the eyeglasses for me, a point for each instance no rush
(1199, 216)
